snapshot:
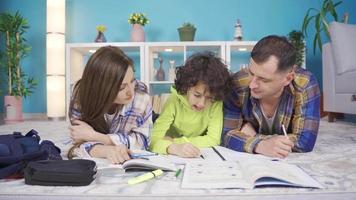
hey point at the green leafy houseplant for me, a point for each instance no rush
(187, 32)
(320, 18)
(13, 28)
(297, 39)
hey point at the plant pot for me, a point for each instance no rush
(100, 37)
(186, 34)
(13, 109)
(137, 33)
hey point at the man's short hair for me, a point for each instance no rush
(277, 46)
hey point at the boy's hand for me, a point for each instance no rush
(186, 150)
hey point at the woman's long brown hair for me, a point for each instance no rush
(96, 91)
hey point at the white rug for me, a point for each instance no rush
(332, 163)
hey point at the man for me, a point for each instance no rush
(271, 94)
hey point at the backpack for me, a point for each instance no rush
(17, 150)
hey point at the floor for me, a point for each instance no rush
(332, 163)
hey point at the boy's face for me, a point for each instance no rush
(126, 91)
(265, 81)
(199, 97)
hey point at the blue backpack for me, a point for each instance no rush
(17, 150)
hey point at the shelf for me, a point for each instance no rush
(161, 82)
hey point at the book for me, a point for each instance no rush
(141, 161)
(149, 163)
(248, 172)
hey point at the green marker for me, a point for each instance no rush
(178, 172)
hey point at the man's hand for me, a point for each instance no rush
(186, 150)
(115, 154)
(277, 146)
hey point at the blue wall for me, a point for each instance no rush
(213, 18)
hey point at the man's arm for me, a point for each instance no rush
(306, 117)
(232, 123)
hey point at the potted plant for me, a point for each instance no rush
(187, 32)
(297, 39)
(100, 37)
(19, 85)
(321, 22)
(138, 20)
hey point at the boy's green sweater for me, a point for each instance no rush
(177, 119)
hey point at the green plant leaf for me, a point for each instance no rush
(326, 28)
(307, 20)
(314, 43)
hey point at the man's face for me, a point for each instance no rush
(265, 81)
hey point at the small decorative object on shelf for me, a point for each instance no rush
(160, 76)
(172, 70)
(100, 37)
(187, 32)
(238, 31)
(138, 20)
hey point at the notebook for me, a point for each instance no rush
(149, 163)
(246, 172)
(142, 161)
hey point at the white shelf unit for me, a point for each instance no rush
(77, 55)
(182, 50)
(238, 49)
(234, 48)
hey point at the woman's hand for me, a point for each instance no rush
(115, 154)
(81, 132)
(186, 150)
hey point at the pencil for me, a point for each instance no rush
(284, 130)
(185, 139)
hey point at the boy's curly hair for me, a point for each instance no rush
(206, 68)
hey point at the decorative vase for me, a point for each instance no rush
(160, 72)
(13, 109)
(100, 37)
(172, 71)
(186, 34)
(137, 33)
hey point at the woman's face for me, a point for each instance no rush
(127, 89)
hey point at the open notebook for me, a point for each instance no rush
(243, 171)
(149, 163)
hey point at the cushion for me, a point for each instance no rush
(343, 41)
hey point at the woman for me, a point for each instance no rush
(110, 111)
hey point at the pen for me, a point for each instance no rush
(145, 177)
(219, 154)
(284, 130)
(142, 155)
(186, 140)
(138, 157)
